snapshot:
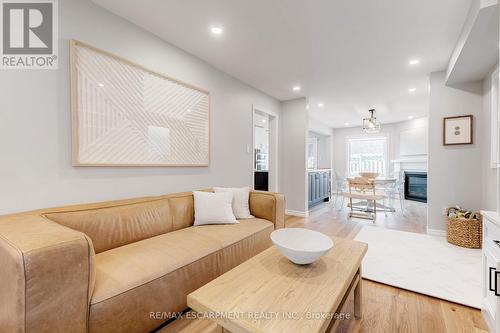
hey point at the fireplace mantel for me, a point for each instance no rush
(416, 163)
(421, 159)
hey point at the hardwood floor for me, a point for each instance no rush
(385, 309)
(331, 219)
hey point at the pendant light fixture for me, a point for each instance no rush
(371, 125)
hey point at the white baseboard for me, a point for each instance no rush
(296, 213)
(436, 232)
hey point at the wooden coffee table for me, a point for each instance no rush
(268, 293)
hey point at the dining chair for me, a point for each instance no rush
(401, 190)
(363, 189)
(340, 184)
(396, 190)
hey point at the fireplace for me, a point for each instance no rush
(416, 186)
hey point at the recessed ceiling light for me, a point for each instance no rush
(320, 105)
(216, 30)
(296, 88)
(412, 90)
(410, 117)
(263, 120)
(346, 124)
(414, 62)
(100, 85)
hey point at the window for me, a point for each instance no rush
(312, 153)
(367, 155)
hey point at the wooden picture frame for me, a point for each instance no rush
(178, 133)
(458, 130)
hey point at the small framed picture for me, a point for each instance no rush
(457, 130)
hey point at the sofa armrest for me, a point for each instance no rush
(269, 206)
(47, 276)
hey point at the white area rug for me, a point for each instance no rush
(422, 263)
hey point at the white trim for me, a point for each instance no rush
(296, 213)
(363, 136)
(494, 110)
(265, 110)
(275, 186)
(490, 322)
(436, 232)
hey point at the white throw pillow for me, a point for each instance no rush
(213, 208)
(241, 195)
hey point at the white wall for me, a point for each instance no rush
(454, 171)
(35, 122)
(488, 174)
(319, 127)
(413, 138)
(294, 126)
(390, 131)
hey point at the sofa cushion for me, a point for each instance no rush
(156, 274)
(132, 265)
(112, 227)
(248, 246)
(241, 207)
(182, 209)
(226, 235)
(213, 208)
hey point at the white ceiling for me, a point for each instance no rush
(350, 54)
(476, 52)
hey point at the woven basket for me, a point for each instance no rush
(465, 232)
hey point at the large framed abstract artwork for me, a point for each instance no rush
(126, 115)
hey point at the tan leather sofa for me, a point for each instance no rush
(107, 267)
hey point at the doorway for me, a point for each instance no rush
(265, 150)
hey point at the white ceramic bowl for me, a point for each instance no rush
(301, 246)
